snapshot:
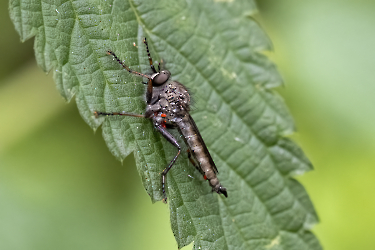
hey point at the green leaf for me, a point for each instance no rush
(212, 47)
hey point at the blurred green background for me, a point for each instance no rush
(60, 188)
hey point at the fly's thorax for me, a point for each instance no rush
(173, 99)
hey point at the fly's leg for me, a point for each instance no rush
(159, 67)
(161, 64)
(149, 56)
(191, 159)
(148, 91)
(194, 163)
(126, 67)
(149, 84)
(174, 142)
(97, 114)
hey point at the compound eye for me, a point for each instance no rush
(162, 77)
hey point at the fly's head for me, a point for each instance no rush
(160, 78)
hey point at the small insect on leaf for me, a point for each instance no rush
(168, 106)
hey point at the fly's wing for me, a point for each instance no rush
(194, 127)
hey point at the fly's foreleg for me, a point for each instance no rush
(98, 113)
(174, 142)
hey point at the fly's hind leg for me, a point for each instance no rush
(174, 142)
(194, 163)
(191, 159)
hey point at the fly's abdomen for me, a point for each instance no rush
(200, 152)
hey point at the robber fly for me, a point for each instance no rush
(168, 107)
